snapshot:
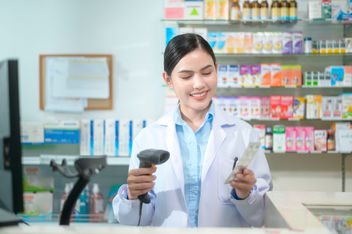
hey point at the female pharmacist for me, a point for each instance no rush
(189, 188)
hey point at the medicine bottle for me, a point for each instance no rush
(255, 10)
(275, 13)
(235, 10)
(268, 139)
(293, 10)
(308, 45)
(331, 140)
(284, 7)
(264, 10)
(246, 11)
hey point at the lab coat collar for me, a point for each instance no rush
(217, 136)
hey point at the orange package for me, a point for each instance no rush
(265, 75)
(276, 75)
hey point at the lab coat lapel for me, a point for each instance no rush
(216, 139)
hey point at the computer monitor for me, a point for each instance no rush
(11, 192)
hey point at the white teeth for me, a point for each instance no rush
(199, 95)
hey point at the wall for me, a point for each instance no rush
(129, 30)
(133, 32)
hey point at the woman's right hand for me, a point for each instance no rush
(140, 181)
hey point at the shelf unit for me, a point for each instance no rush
(309, 62)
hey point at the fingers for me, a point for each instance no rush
(247, 176)
(140, 181)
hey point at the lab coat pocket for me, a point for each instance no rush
(224, 170)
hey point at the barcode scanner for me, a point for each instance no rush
(149, 158)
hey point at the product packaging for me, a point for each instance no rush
(268, 43)
(260, 130)
(248, 43)
(244, 107)
(327, 107)
(286, 103)
(277, 42)
(256, 75)
(85, 138)
(309, 140)
(193, 10)
(254, 108)
(275, 107)
(298, 107)
(222, 9)
(337, 107)
(245, 75)
(234, 106)
(300, 138)
(320, 140)
(234, 76)
(230, 42)
(209, 9)
(347, 106)
(111, 137)
(287, 43)
(212, 39)
(276, 75)
(313, 110)
(265, 108)
(297, 42)
(265, 75)
(347, 79)
(290, 139)
(174, 9)
(220, 46)
(279, 139)
(223, 78)
(257, 43)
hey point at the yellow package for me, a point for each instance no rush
(209, 9)
(222, 9)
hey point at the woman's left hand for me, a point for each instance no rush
(244, 184)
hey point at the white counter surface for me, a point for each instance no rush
(286, 212)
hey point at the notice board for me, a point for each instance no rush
(92, 103)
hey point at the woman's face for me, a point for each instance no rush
(194, 80)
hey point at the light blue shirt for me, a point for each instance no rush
(193, 146)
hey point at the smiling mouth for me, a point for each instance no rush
(202, 94)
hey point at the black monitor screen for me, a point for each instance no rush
(11, 192)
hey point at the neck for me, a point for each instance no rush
(192, 117)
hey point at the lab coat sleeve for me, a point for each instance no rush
(252, 208)
(127, 211)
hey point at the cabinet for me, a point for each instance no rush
(297, 164)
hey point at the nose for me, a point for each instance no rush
(198, 82)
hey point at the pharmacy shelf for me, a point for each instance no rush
(306, 152)
(226, 55)
(288, 87)
(297, 120)
(45, 160)
(254, 22)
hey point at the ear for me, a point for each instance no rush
(167, 79)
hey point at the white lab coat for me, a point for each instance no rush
(228, 139)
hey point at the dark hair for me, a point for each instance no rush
(181, 45)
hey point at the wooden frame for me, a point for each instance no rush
(93, 104)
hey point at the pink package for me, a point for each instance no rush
(265, 108)
(254, 108)
(309, 140)
(290, 139)
(244, 107)
(286, 107)
(275, 107)
(300, 138)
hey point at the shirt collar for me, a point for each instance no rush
(179, 121)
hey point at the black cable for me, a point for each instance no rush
(140, 213)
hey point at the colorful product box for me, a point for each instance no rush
(275, 107)
(220, 46)
(254, 108)
(245, 74)
(265, 108)
(276, 75)
(222, 9)
(287, 42)
(347, 106)
(297, 42)
(256, 75)
(233, 106)
(244, 107)
(320, 140)
(248, 43)
(286, 103)
(193, 9)
(286, 75)
(300, 139)
(230, 42)
(174, 9)
(290, 139)
(234, 76)
(277, 42)
(327, 107)
(313, 110)
(62, 132)
(239, 43)
(223, 79)
(260, 130)
(347, 79)
(268, 43)
(265, 75)
(296, 75)
(257, 43)
(279, 139)
(211, 37)
(309, 140)
(337, 75)
(210, 9)
(337, 107)
(298, 107)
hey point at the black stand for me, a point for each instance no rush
(86, 167)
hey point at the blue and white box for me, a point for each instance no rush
(62, 132)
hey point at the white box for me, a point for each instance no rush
(32, 133)
(223, 76)
(98, 137)
(111, 139)
(314, 10)
(234, 76)
(125, 137)
(85, 137)
(193, 10)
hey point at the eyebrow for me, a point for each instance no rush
(188, 71)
